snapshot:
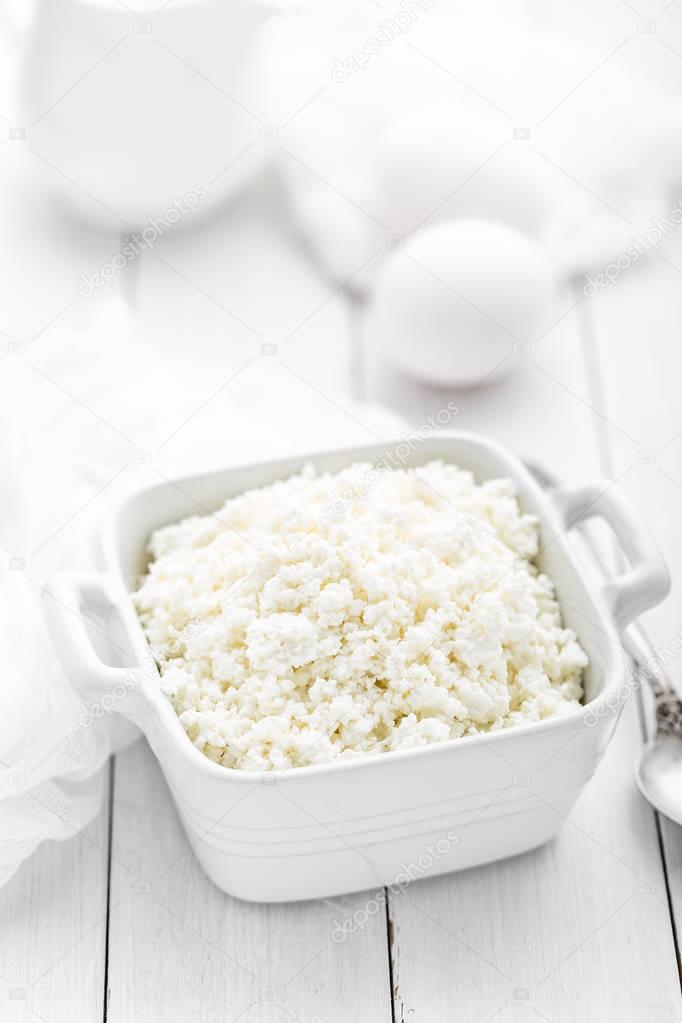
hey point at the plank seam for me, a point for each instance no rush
(390, 935)
(110, 829)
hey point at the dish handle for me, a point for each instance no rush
(646, 581)
(66, 599)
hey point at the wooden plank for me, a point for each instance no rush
(53, 929)
(180, 949)
(580, 928)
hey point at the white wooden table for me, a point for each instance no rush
(120, 924)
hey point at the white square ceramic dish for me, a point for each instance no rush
(322, 830)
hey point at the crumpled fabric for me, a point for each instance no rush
(604, 151)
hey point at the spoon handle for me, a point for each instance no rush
(669, 714)
(668, 704)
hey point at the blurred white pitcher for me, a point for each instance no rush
(134, 109)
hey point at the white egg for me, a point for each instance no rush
(461, 300)
(457, 162)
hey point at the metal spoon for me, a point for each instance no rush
(658, 769)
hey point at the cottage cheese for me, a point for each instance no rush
(326, 616)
